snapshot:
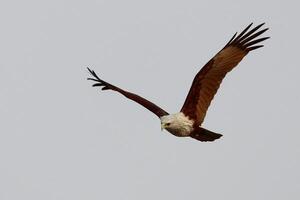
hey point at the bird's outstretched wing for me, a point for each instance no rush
(209, 78)
(140, 100)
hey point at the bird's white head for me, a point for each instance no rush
(177, 124)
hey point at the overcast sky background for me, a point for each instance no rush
(62, 139)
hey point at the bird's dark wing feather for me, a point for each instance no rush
(140, 100)
(209, 78)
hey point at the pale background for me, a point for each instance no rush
(62, 139)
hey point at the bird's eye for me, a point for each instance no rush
(168, 124)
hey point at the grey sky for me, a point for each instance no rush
(62, 139)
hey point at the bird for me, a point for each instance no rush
(187, 122)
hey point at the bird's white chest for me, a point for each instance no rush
(180, 132)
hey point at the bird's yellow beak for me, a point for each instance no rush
(162, 126)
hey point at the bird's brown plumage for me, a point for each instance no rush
(209, 78)
(134, 97)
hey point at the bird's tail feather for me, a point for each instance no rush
(205, 135)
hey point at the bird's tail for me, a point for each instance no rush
(204, 135)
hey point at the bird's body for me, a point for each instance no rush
(187, 122)
(180, 125)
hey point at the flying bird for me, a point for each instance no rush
(187, 122)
